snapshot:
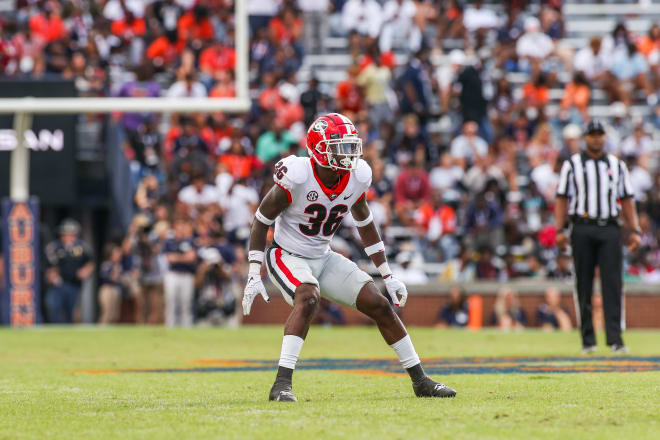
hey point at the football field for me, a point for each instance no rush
(204, 383)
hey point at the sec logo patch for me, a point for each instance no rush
(312, 196)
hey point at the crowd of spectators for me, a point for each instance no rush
(464, 161)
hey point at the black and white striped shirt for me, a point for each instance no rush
(594, 186)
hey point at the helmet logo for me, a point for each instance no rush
(320, 126)
(312, 196)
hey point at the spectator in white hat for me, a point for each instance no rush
(534, 44)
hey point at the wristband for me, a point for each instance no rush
(365, 222)
(375, 248)
(256, 256)
(384, 269)
(255, 269)
(638, 232)
(263, 219)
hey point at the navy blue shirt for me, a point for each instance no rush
(68, 260)
(106, 273)
(413, 75)
(545, 315)
(174, 246)
(454, 318)
(516, 315)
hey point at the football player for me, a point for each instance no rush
(309, 200)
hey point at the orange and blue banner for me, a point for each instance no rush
(20, 301)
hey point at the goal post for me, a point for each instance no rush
(21, 313)
(23, 108)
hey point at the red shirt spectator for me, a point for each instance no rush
(536, 95)
(10, 54)
(445, 214)
(651, 42)
(220, 90)
(349, 95)
(536, 92)
(217, 57)
(217, 131)
(270, 98)
(195, 25)
(287, 28)
(237, 162)
(222, 131)
(49, 26)
(288, 113)
(164, 49)
(412, 184)
(240, 166)
(129, 27)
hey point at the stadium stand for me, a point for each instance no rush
(517, 77)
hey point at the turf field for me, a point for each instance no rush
(127, 382)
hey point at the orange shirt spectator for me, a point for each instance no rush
(646, 45)
(286, 29)
(217, 57)
(217, 131)
(164, 49)
(536, 95)
(195, 28)
(288, 113)
(650, 42)
(221, 90)
(270, 98)
(349, 95)
(50, 27)
(129, 27)
(576, 95)
(240, 166)
(445, 214)
(223, 132)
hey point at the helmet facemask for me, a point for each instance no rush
(343, 154)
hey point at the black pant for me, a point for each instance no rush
(599, 245)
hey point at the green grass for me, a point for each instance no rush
(40, 397)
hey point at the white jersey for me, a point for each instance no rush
(308, 224)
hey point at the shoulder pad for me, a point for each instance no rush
(363, 172)
(291, 170)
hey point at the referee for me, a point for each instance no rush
(591, 184)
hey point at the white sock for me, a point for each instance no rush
(291, 346)
(406, 352)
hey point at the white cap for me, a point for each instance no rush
(289, 92)
(457, 57)
(571, 131)
(403, 257)
(532, 24)
(210, 255)
(618, 109)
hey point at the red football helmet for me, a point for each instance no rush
(333, 142)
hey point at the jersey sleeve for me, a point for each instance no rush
(625, 189)
(289, 174)
(363, 176)
(565, 179)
